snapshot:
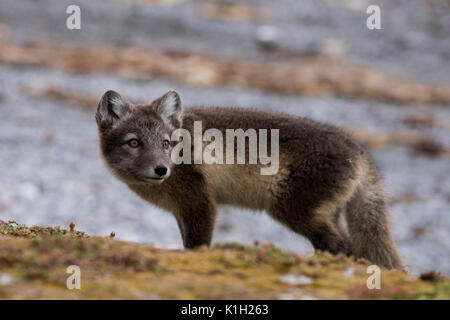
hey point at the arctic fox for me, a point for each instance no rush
(322, 174)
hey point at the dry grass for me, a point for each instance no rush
(417, 142)
(34, 261)
(88, 101)
(233, 12)
(314, 76)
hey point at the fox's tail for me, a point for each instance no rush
(368, 223)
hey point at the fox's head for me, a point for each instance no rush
(135, 139)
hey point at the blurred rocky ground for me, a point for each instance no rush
(390, 87)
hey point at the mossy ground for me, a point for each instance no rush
(33, 263)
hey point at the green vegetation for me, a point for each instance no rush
(33, 262)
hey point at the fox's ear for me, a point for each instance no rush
(112, 108)
(169, 108)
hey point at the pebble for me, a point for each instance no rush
(348, 273)
(297, 280)
(6, 279)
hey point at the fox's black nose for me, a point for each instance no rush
(160, 170)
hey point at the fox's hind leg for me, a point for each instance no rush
(338, 220)
(326, 237)
(322, 233)
(310, 203)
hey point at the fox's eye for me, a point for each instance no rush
(133, 143)
(166, 144)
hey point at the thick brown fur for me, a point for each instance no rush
(322, 173)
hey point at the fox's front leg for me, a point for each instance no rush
(196, 223)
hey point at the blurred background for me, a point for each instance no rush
(313, 58)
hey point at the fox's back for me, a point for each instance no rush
(293, 130)
(321, 152)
